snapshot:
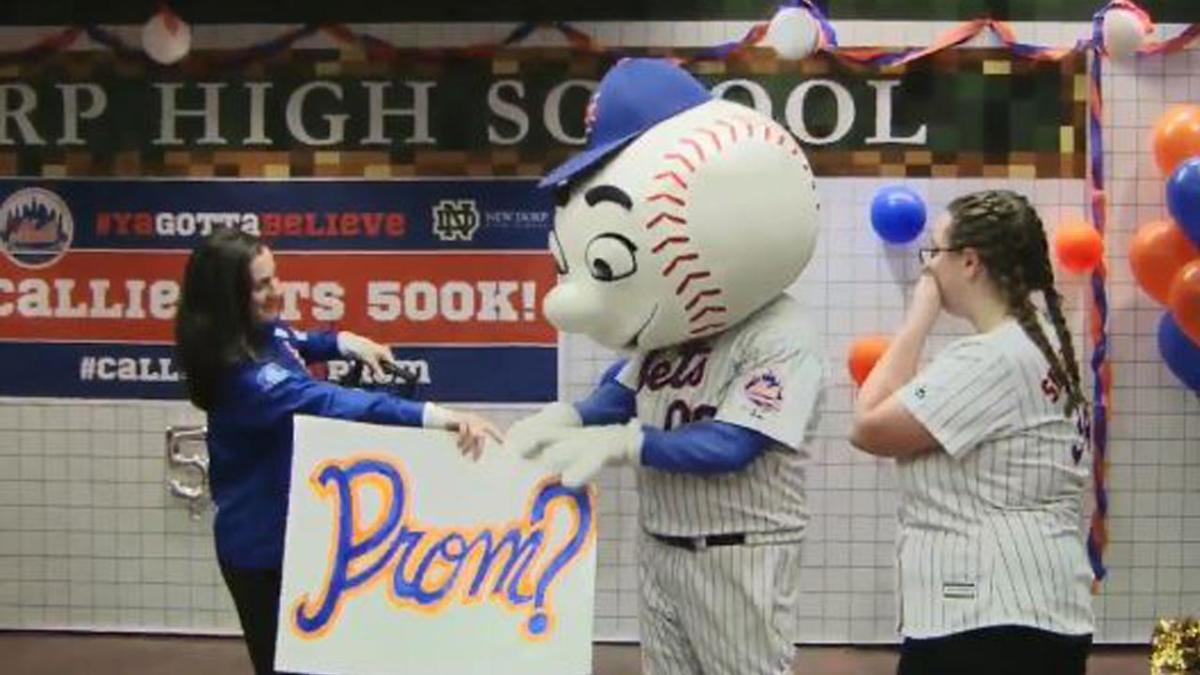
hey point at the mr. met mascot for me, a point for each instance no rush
(678, 229)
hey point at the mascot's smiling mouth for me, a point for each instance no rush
(633, 341)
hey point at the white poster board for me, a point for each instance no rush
(403, 556)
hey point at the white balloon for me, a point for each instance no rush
(1122, 33)
(163, 44)
(793, 33)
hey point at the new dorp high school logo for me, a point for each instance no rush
(455, 219)
(36, 227)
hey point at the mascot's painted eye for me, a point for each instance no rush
(560, 259)
(611, 257)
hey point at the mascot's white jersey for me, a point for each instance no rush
(765, 375)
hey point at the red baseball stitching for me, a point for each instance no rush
(683, 257)
(663, 215)
(712, 134)
(732, 130)
(673, 176)
(673, 180)
(669, 240)
(709, 292)
(748, 122)
(715, 309)
(669, 197)
(676, 155)
(688, 279)
(699, 150)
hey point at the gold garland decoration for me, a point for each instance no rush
(1175, 646)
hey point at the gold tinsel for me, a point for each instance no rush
(1175, 647)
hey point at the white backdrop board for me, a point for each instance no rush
(403, 556)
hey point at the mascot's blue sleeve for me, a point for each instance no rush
(704, 447)
(610, 402)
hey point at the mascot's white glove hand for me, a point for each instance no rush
(524, 434)
(579, 454)
(368, 351)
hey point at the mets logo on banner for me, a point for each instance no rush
(36, 227)
(765, 392)
(455, 219)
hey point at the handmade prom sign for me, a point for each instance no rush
(404, 556)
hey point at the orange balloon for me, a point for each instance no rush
(864, 354)
(1176, 136)
(1184, 300)
(1078, 246)
(1156, 253)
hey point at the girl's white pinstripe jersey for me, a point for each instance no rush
(764, 374)
(991, 526)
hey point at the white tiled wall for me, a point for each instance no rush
(1155, 525)
(90, 539)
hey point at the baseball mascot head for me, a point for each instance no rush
(682, 216)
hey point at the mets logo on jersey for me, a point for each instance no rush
(765, 392)
(36, 227)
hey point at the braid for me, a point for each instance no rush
(1066, 347)
(1011, 241)
(1026, 315)
(1043, 274)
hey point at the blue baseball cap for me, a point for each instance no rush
(633, 96)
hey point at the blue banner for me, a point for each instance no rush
(450, 273)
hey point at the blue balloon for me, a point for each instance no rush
(1180, 353)
(897, 214)
(1183, 197)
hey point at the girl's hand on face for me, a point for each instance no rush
(926, 301)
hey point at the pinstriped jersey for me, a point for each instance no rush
(991, 526)
(764, 374)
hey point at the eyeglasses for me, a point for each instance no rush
(928, 253)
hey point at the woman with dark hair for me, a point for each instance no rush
(992, 455)
(246, 369)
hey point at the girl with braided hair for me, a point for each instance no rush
(992, 455)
